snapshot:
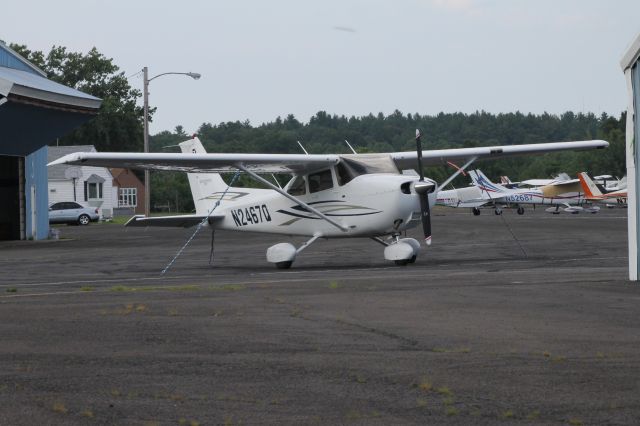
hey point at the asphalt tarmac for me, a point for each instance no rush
(503, 320)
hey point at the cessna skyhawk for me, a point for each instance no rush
(329, 195)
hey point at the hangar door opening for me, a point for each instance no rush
(10, 196)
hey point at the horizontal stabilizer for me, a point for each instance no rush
(184, 221)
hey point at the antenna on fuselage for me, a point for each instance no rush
(305, 151)
(350, 147)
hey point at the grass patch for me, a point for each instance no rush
(121, 288)
(444, 391)
(421, 402)
(533, 415)
(546, 354)
(59, 407)
(124, 288)
(12, 290)
(451, 411)
(575, 422)
(88, 414)
(172, 312)
(86, 288)
(600, 355)
(559, 359)
(333, 285)
(508, 414)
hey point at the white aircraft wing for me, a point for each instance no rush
(203, 163)
(405, 160)
(300, 163)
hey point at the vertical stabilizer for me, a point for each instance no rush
(484, 184)
(589, 187)
(203, 185)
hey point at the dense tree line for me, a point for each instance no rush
(118, 127)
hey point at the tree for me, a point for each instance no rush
(118, 125)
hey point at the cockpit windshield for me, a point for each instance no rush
(297, 186)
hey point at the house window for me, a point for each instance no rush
(94, 190)
(128, 197)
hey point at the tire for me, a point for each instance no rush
(401, 262)
(476, 211)
(413, 259)
(520, 210)
(84, 219)
(284, 265)
(498, 212)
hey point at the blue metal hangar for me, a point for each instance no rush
(34, 111)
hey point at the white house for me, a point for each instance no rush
(87, 185)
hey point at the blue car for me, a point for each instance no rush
(72, 213)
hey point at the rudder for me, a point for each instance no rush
(203, 185)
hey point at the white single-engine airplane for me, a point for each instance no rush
(329, 196)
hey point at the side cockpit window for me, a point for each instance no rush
(342, 174)
(297, 186)
(320, 181)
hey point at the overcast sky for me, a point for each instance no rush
(262, 59)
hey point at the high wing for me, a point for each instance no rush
(202, 163)
(435, 157)
(300, 164)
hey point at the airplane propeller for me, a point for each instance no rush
(423, 188)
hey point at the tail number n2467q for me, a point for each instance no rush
(251, 215)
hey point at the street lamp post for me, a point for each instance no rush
(145, 97)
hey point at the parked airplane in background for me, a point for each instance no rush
(608, 183)
(593, 193)
(561, 193)
(329, 196)
(534, 183)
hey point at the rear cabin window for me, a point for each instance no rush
(320, 181)
(297, 186)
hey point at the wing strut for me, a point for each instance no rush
(291, 197)
(453, 176)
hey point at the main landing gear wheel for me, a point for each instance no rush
(520, 210)
(476, 211)
(402, 251)
(284, 265)
(498, 212)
